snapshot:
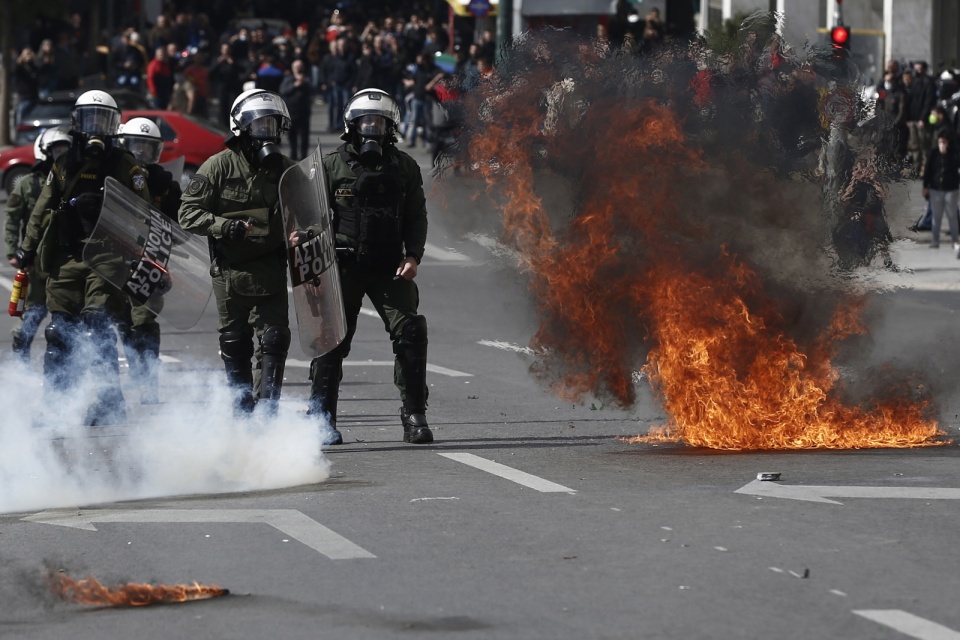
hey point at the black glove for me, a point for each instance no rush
(235, 230)
(88, 205)
(24, 258)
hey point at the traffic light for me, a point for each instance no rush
(840, 37)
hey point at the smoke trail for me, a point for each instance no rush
(191, 444)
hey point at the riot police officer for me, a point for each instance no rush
(233, 200)
(139, 330)
(83, 306)
(380, 222)
(49, 145)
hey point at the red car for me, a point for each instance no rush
(183, 135)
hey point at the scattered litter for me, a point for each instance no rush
(437, 498)
(837, 592)
(683, 587)
(667, 528)
(569, 557)
(720, 548)
(664, 539)
(473, 397)
(776, 569)
(805, 574)
(285, 540)
(768, 476)
(614, 509)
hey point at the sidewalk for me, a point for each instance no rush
(924, 269)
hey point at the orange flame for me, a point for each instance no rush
(90, 591)
(618, 273)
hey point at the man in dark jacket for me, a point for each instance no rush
(297, 93)
(941, 185)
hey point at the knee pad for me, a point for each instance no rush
(61, 332)
(236, 345)
(275, 341)
(414, 331)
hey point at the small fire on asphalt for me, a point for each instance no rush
(90, 591)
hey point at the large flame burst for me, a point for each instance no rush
(90, 591)
(704, 240)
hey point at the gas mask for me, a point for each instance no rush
(95, 125)
(265, 140)
(372, 131)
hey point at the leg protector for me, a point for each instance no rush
(274, 344)
(24, 334)
(236, 350)
(146, 342)
(411, 352)
(325, 374)
(62, 335)
(100, 340)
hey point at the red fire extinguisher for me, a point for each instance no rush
(18, 296)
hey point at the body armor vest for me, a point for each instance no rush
(82, 176)
(374, 221)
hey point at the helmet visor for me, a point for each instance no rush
(257, 106)
(372, 126)
(145, 150)
(265, 128)
(57, 149)
(94, 120)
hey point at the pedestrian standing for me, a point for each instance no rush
(227, 75)
(298, 94)
(233, 199)
(26, 79)
(380, 225)
(159, 80)
(83, 306)
(941, 182)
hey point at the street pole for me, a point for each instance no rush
(504, 27)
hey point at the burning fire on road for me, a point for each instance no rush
(722, 211)
(90, 591)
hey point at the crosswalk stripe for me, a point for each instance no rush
(508, 473)
(909, 624)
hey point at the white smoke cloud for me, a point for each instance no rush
(189, 444)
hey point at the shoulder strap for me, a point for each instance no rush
(351, 161)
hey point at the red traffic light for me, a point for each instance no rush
(840, 36)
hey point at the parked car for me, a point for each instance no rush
(183, 136)
(54, 111)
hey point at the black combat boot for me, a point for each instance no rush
(236, 350)
(21, 348)
(413, 364)
(325, 373)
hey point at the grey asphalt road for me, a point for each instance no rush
(528, 518)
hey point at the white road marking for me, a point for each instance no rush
(507, 346)
(435, 252)
(819, 493)
(508, 473)
(909, 624)
(289, 521)
(443, 371)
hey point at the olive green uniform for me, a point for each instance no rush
(250, 274)
(19, 206)
(83, 305)
(395, 299)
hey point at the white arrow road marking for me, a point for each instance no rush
(289, 521)
(911, 625)
(818, 494)
(508, 473)
(443, 371)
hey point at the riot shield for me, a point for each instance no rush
(149, 257)
(175, 167)
(311, 253)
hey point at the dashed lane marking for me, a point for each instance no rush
(909, 624)
(443, 371)
(508, 473)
